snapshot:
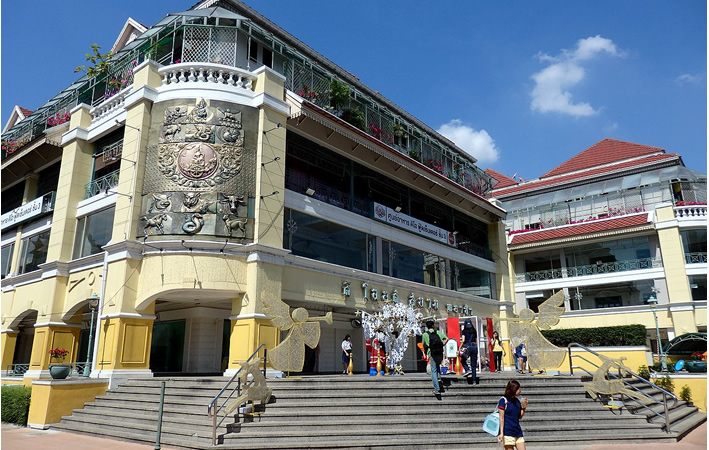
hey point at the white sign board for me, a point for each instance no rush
(388, 215)
(22, 213)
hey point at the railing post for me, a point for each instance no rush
(214, 423)
(162, 401)
(265, 357)
(667, 413)
(571, 364)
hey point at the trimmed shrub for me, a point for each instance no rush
(15, 404)
(644, 372)
(666, 383)
(657, 367)
(685, 393)
(622, 335)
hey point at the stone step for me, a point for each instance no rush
(339, 411)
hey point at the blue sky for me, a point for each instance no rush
(521, 85)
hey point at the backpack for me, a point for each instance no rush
(435, 344)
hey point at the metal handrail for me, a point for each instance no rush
(664, 392)
(213, 410)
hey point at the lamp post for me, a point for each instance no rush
(653, 303)
(93, 303)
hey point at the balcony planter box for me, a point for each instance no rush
(696, 366)
(59, 371)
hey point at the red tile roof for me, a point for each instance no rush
(597, 226)
(604, 152)
(502, 180)
(26, 112)
(563, 179)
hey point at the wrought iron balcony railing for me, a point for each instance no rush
(16, 370)
(590, 269)
(104, 183)
(696, 258)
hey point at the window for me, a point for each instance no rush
(267, 57)
(609, 302)
(695, 245)
(7, 259)
(34, 252)
(12, 197)
(698, 286)
(93, 232)
(48, 179)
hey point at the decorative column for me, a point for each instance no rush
(673, 260)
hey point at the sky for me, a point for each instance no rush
(521, 85)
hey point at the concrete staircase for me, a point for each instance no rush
(340, 411)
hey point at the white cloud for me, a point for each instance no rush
(477, 143)
(551, 92)
(688, 78)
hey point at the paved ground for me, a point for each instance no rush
(18, 438)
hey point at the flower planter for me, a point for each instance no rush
(696, 366)
(59, 372)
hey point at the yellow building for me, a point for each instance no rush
(227, 163)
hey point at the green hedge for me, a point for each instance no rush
(622, 335)
(15, 404)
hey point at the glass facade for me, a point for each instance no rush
(321, 240)
(93, 232)
(333, 179)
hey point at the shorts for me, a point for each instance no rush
(509, 440)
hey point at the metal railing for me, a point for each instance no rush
(16, 370)
(665, 394)
(591, 269)
(214, 408)
(696, 258)
(19, 370)
(104, 183)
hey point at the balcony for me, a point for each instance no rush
(104, 183)
(591, 269)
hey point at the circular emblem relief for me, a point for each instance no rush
(197, 161)
(380, 211)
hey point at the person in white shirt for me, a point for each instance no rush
(346, 352)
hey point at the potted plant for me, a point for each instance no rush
(59, 371)
(339, 95)
(698, 363)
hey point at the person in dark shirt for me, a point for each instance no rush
(512, 409)
(469, 340)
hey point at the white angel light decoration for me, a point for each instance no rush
(541, 354)
(289, 355)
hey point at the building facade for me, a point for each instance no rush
(622, 229)
(150, 211)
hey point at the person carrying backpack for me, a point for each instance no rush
(433, 342)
